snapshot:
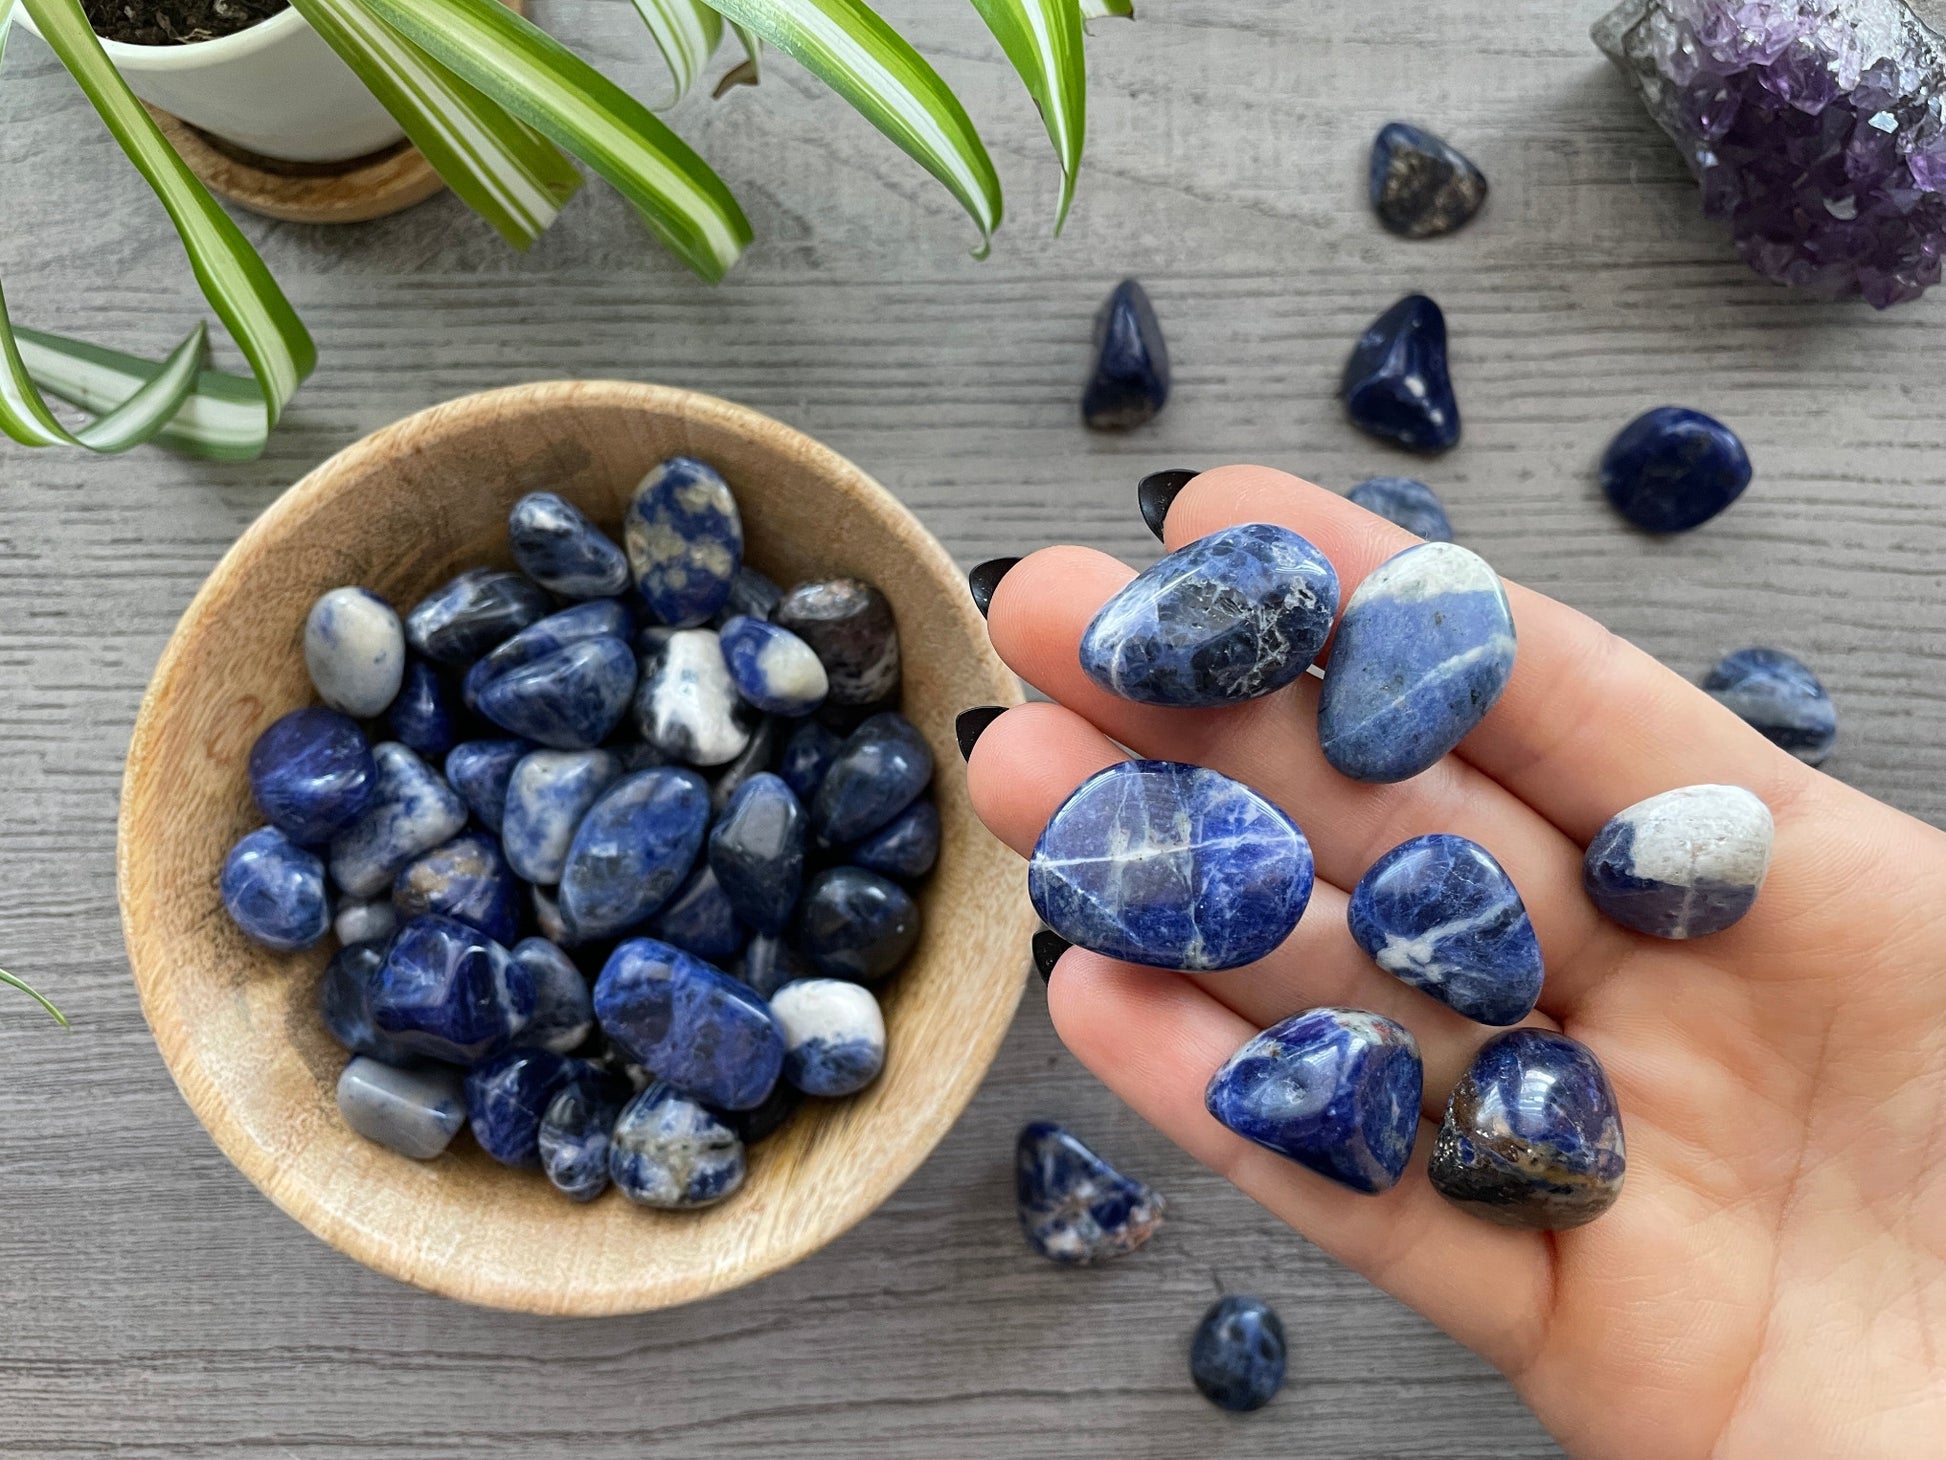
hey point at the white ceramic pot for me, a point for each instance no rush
(275, 89)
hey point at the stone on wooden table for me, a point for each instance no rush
(689, 1024)
(415, 1110)
(311, 773)
(849, 625)
(856, 924)
(447, 991)
(1684, 864)
(686, 705)
(807, 756)
(573, 1138)
(564, 1009)
(476, 611)
(756, 850)
(1237, 1356)
(1777, 695)
(560, 549)
(480, 770)
(880, 770)
(466, 878)
(834, 1035)
(547, 795)
(368, 921)
(1422, 186)
(1408, 503)
(345, 1002)
(422, 714)
(506, 1096)
(354, 648)
(906, 847)
(685, 541)
(699, 919)
(412, 810)
(772, 668)
(632, 850)
(1074, 1207)
(667, 1151)
(274, 891)
(1396, 386)
(1671, 469)
(1130, 383)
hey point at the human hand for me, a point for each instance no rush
(1772, 1281)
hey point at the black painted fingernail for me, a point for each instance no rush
(1048, 948)
(1156, 491)
(971, 725)
(985, 578)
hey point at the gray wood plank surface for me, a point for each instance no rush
(153, 1304)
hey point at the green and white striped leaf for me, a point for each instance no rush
(1042, 38)
(687, 32)
(5, 977)
(565, 99)
(498, 166)
(1107, 9)
(847, 46)
(748, 71)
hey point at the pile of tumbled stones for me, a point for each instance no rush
(653, 770)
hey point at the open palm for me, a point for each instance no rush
(1772, 1281)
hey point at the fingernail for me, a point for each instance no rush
(1155, 492)
(971, 725)
(1048, 948)
(985, 578)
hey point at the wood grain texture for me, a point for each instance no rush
(156, 1305)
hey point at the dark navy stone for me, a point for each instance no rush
(1237, 1356)
(1424, 649)
(753, 760)
(507, 1095)
(1074, 1207)
(1672, 469)
(460, 620)
(412, 810)
(415, 1111)
(699, 919)
(1410, 504)
(560, 549)
(668, 1151)
(312, 774)
(422, 715)
(274, 891)
(466, 878)
(480, 770)
(1335, 1090)
(856, 924)
(1395, 384)
(1684, 864)
(1422, 186)
(1532, 1135)
(551, 790)
(772, 668)
(807, 756)
(906, 847)
(1047, 947)
(345, 1001)
(756, 850)
(687, 705)
(605, 618)
(1773, 693)
(763, 1121)
(1156, 493)
(768, 963)
(448, 991)
(354, 647)
(685, 541)
(1234, 615)
(1131, 379)
(752, 594)
(564, 1009)
(573, 1138)
(849, 625)
(570, 700)
(834, 1035)
(632, 850)
(689, 1024)
(1171, 865)
(879, 771)
(1438, 912)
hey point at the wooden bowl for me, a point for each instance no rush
(400, 512)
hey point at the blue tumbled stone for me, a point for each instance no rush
(1775, 694)
(354, 648)
(756, 850)
(685, 541)
(466, 878)
(570, 700)
(687, 704)
(480, 770)
(772, 668)
(856, 924)
(605, 618)
(573, 1139)
(463, 618)
(507, 1095)
(632, 850)
(1421, 186)
(345, 1001)
(1234, 615)
(1131, 379)
(274, 891)
(1074, 1207)
(564, 1009)
(1424, 649)
(879, 771)
(549, 793)
(753, 760)
(365, 922)
(1532, 1135)
(906, 847)
(1335, 1090)
(1438, 912)
(1171, 865)
(1672, 469)
(1237, 1357)
(699, 919)
(752, 594)
(807, 756)
(1407, 503)
(412, 810)
(416, 1110)
(689, 1024)
(667, 1151)
(448, 991)
(768, 963)
(1684, 864)
(560, 549)
(762, 1121)
(422, 714)
(312, 773)
(849, 624)
(834, 1035)
(1395, 385)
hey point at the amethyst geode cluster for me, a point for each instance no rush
(1817, 129)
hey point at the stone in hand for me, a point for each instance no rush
(312, 774)
(480, 770)
(856, 924)
(466, 878)
(849, 626)
(632, 850)
(879, 771)
(1775, 694)
(422, 714)
(573, 1138)
(1074, 1207)
(548, 794)
(685, 1022)
(834, 1035)
(685, 541)
(1424, 649)
(415, 1111)
(1171, 865)
(1232, 616)
(906, 847)
(756, 850)
(1684, 864)
(1439, 913)
(507, 1095)
(1422, 186)
(807, 756)
(1131, 379)
(274, 891)
(560, 549)
(1532, 1136)
(687, 704)
(412, 811)
(1410, 504)
(1335, 1090)
(1395, 384)
(483, 607)
(667, 1151)
(564, 1010)
(365, 922)
(1237, 1356)
(1672, 469)
(354, 647)
(772, 668)
(448, 991)
(345, 1001)
(700, 920)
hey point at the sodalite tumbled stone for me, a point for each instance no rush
(756, 850)
(1775, 694)
(354, 647)
(1232, 616)
(1671, 469)
(1171, 865)
(834, 1035)
(1424, 649)
(754, 759)
(1074, 1207)
(605, 618)
(573, 1137)
(274, 891)
(311, 773)
(699, 919)
(1237, 1357)
(807, 756)
(907, 845)
(422, 716)
(632, 850)
(1131, 378)
(466, 878)
(687, 704)
(879, 771)
(685, 541)
(1395, 384)
(415, 1111)
(560, 549)
(448, 991)
(564, 1009)
(849, 625)
(1684, 864)
(412, 811)
(463, 618)
(772, 668)
(547, 795)
(1336, 1090)
(752, 595)
(1440, 913)
(365, 922)
(689, 1024)
(507, 1095)
(480, 770)
(345, 1003)
(768, 963)
(856, 924)
(1532, 1135)
(570, 700)
(1409, 503)
(667, 1151)
(1421, 185)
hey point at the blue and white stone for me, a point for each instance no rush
(368, 921)
(448, 991)
(1075, 1208)
(856, 924)
(506, 1096)
(807, 756)
(752, 594)
(571, 700)
(1440, 913)
(850, 626)
(1171, 865)
(1684, 864)
(1775, 694)
(573, 1140)
(834, 1035)
(548, 794)
(689, 1024)
(564, 1009)
(879, 771)
(466, 878)
(412, 811)
(422, 716)
(1532, 1135)
(905, 847)
(466, 616)
(768, 963)
(756, 850)
(274, 891)
(605, 618)
(1130, 382)
(1236, 1359)
(416, 1110)
(480, 770)
(772, 668)
(354, 647)
(700, 920)
(631, 851)
(560, 549)
(1407, 503)
(345, 1002)
(1424, 650)
(685, 541)
(1235, 615)
(686, 706)
(667, 1151)
(1335, 1090)
(311, 773)
(1396, 385)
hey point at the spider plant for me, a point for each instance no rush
(28, 989)
(503, 111)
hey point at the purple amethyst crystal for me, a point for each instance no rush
(1817, 129)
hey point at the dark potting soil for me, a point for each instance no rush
(176, 22)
